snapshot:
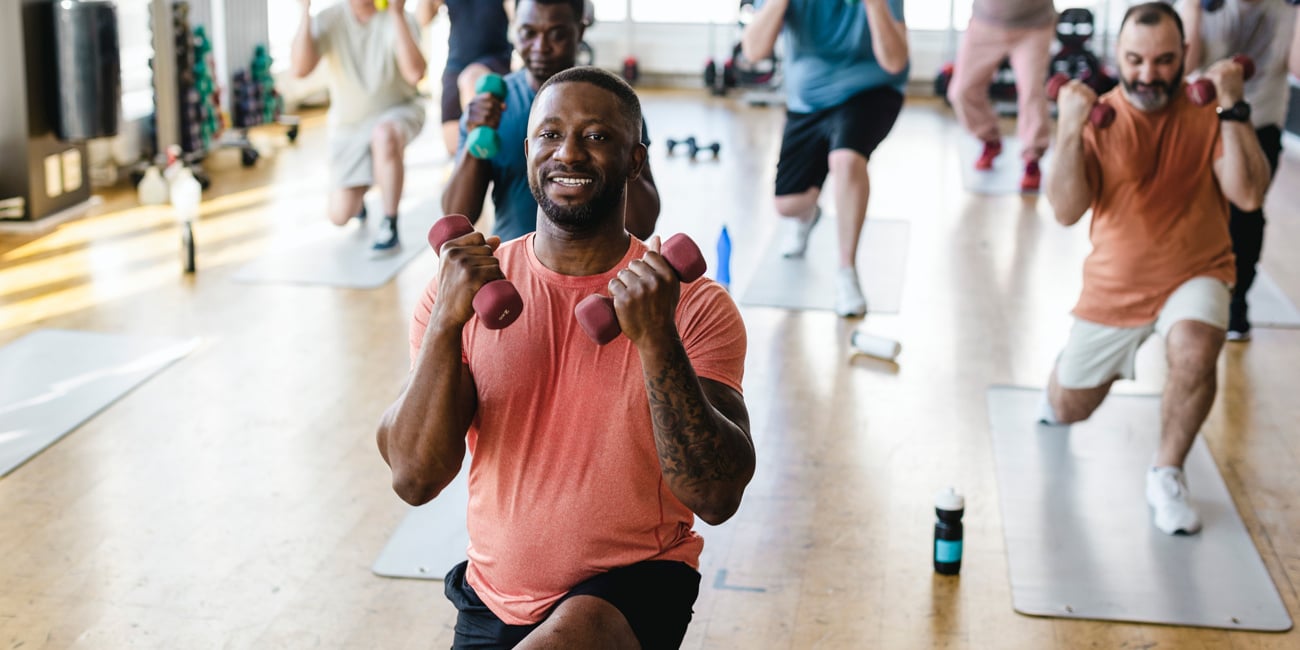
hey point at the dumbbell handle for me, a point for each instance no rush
(1101, 114)
(1202, 91)
(497, 303)
(483, 141)
(596, 312)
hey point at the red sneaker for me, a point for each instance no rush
(1033, 177)
(991, 151)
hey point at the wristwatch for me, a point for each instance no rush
(1240, 112)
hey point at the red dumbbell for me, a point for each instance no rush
(1202, 91)
(497, 303)
(596, 312)
(1101, 114)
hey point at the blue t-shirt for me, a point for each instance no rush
(516, 209)
(829, 56)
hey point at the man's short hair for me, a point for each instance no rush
(1151, 14)
(629, 104)
(579, 6)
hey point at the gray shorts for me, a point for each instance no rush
(350, 161)
(1096, 354)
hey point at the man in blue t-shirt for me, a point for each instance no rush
(844, 77)
(547, 36)
(478, 44)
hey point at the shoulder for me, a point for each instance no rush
(331, 17)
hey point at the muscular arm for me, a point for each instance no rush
(427, 11)
(1068, 189)
(303, 56)
(1242, 170)
(409, 59)
(467, 188)
(422, 434)
(888, 36)
(1294, 59)
(642, 204)
(701, 430)
(1190, 10)
(760, 35)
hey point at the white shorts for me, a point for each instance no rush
(350, 163)
(1096, 354)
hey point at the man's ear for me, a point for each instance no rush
(639, 156)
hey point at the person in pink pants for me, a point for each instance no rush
(1023, 31)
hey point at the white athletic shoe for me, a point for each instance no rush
(849, 301)
(796, 234)
(1167, 494)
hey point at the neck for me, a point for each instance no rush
(364, 13)
(580, 253)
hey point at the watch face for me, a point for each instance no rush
(1240, 112)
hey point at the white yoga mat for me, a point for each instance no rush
(431, 539)
(53, 380)
(1269, 306)
(324, 254)
(1080, 542)
(809, 282)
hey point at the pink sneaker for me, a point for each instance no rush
(1033, 177)
(991, 151)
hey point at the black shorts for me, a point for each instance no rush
(860, 124)
(655, 597)
(451, 90)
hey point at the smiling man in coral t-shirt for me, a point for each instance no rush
(589, 463)
(1158, 181)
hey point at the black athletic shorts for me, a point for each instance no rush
(655, 597)
(451, 90)
(860, 124)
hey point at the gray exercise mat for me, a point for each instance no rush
(1008, 167)
(53, 380)
(432, 539)
(1080, 542)
(323, 254)
(809, 282)
(1269, 306)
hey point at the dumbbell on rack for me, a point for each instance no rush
(693, 147)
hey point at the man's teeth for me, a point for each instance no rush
(570, 182)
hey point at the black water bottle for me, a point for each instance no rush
(948, 506)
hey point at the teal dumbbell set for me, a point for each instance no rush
(483, 142)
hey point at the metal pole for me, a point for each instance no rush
(166, 92)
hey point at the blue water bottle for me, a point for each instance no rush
(948, 506)
(724, 259)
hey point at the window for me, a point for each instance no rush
(135, 48)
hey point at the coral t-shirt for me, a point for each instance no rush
(564, 480)
(1159, 217)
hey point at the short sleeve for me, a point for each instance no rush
(323, 25)
(713, 333)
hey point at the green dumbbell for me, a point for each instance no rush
(483, 141)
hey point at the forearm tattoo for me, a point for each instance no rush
(694, 447)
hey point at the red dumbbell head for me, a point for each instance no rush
(597, 317)
(685, 257)
(497, 304)
(1247, 66)
(1101, 115)
(1055, 84)
(447, 229)
(1201, 92)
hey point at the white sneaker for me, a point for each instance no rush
(1169, 499)
(796, 234)
(849, 301)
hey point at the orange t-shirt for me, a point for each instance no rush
(564, 480)
(1158, 215)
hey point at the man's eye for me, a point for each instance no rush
(549, 135)
(598, 137)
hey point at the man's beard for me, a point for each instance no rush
(608, 198)
(1151, 97)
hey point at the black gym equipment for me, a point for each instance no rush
(694, 147)
(737, 72)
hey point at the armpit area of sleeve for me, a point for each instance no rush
(713, 335)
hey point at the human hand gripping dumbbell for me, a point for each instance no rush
(1100, 114)
(496, 301)
(1205, 90)
(596, 313)
(485, 111)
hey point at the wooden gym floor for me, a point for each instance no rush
(237, 500)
